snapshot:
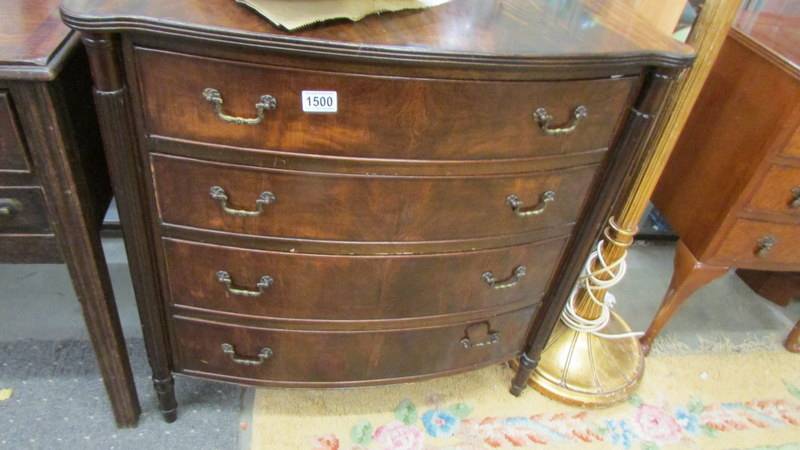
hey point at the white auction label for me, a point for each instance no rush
(320, 102)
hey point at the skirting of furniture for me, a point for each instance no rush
(429, 220)
(54, 186)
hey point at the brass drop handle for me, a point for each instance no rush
(263, 284)
(480, 335)
(545, 119)
(266, 198)
(262, 356)
(266, 102)
(520, 210)
(795, 203)
(765, 245)
(489, 279)
(9, 207)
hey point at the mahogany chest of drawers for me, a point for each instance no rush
(433, 223)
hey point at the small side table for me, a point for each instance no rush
(54, 187)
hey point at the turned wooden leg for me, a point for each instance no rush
(520, 381)
(119, 139)
(793, 340)
(688, 276)
(167, 404)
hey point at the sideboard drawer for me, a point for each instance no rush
(779, 191)
(762, 245)
(22, 210)
(377, 116)
(341, 287)
(252, 354)
(12, 148)
(268, 202)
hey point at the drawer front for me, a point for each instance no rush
(377, 117)
(22, 210)
(268, 202)
(12, 149)
(326, 287)
(316, 357)
(779, 191)
(751, 244)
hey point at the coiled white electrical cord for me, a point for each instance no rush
(591, 282)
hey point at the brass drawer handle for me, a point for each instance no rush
(545, 118)
(219, 194)
(519, 272)
(480, 335)
(765, 245)
(266, 102)
(262, 356)
(795, 203)
(263, 284)
(9, 207)
(519, 209)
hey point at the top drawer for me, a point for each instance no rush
(377, 117)
(12, 150)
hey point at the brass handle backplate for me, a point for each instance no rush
(489, 279)
(9, 207)
(520, 210)
(545, 119)
(263, 284)
(765, 245)
(266, 102)
(262, 356)
(266, 198)
(480, 335)
(795, 203)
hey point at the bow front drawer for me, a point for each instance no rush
(267, 202)
(258, 106)
(343, 287)
(23, 210)
(249, 354)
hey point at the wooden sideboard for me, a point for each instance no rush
(433, 221)
(731, 190)
(54, 186)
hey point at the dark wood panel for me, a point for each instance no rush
(339, 287)
(12, 147)
(345, 358)
(430, 119)
(22, 210)
(360, 208)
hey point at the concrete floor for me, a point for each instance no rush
(37, 305)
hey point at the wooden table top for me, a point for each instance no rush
(773, 25)
(470, 31)
(30, 31)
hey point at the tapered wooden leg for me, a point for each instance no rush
(688, 276)
(793, 340)
(167, 404)
(78, 235)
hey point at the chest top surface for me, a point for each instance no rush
(31, 32)
(774, 26)
(466, 31)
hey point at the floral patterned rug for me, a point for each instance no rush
(707, 401)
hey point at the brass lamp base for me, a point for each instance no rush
(585, 370)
